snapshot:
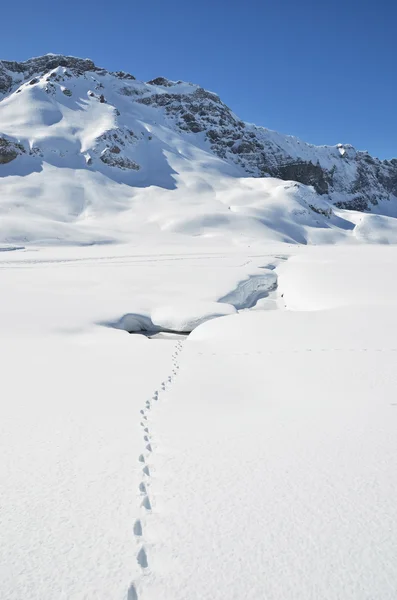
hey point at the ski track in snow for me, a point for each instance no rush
(144, 493)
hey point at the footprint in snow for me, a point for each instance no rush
(132, 593)
(146, 503)
(142, 558)
(137, 528)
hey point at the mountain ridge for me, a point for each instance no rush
(65, 112)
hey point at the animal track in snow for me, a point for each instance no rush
(132, 593)
(137, 529)
(146, 503)
(142, 558)
(144, 486)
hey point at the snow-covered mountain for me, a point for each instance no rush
(88, 155)
(255, 458)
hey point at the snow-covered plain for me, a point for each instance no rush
(72, 388)
(253, 459)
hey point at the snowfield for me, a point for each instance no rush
(253, 459)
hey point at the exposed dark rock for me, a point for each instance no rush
(67, 92)
(188, 117)
(119, 161)
(321, 211)
(41, 65)
(123, 75)
(202, 94)
(161, 81)
(5, 81)
(50, 88)
(245, 147)
(306, 173)
(9, 150)
(129, 91)
(213, 135)
(49, 62)
(35, 151)
(359, 203)
(365, 182)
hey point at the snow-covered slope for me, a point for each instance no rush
(90, 156)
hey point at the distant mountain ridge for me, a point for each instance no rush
(352, 178)
(66, 112)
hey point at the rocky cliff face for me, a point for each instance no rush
(351, 178)
(347, 177)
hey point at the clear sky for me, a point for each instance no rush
(322, 70)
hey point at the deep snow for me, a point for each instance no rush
(254, 460)
(72, 391)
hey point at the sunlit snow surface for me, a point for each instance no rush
(59, 191)
(255, 459)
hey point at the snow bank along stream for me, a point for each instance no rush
(183, 317)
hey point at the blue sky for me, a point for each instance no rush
(324, 71)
